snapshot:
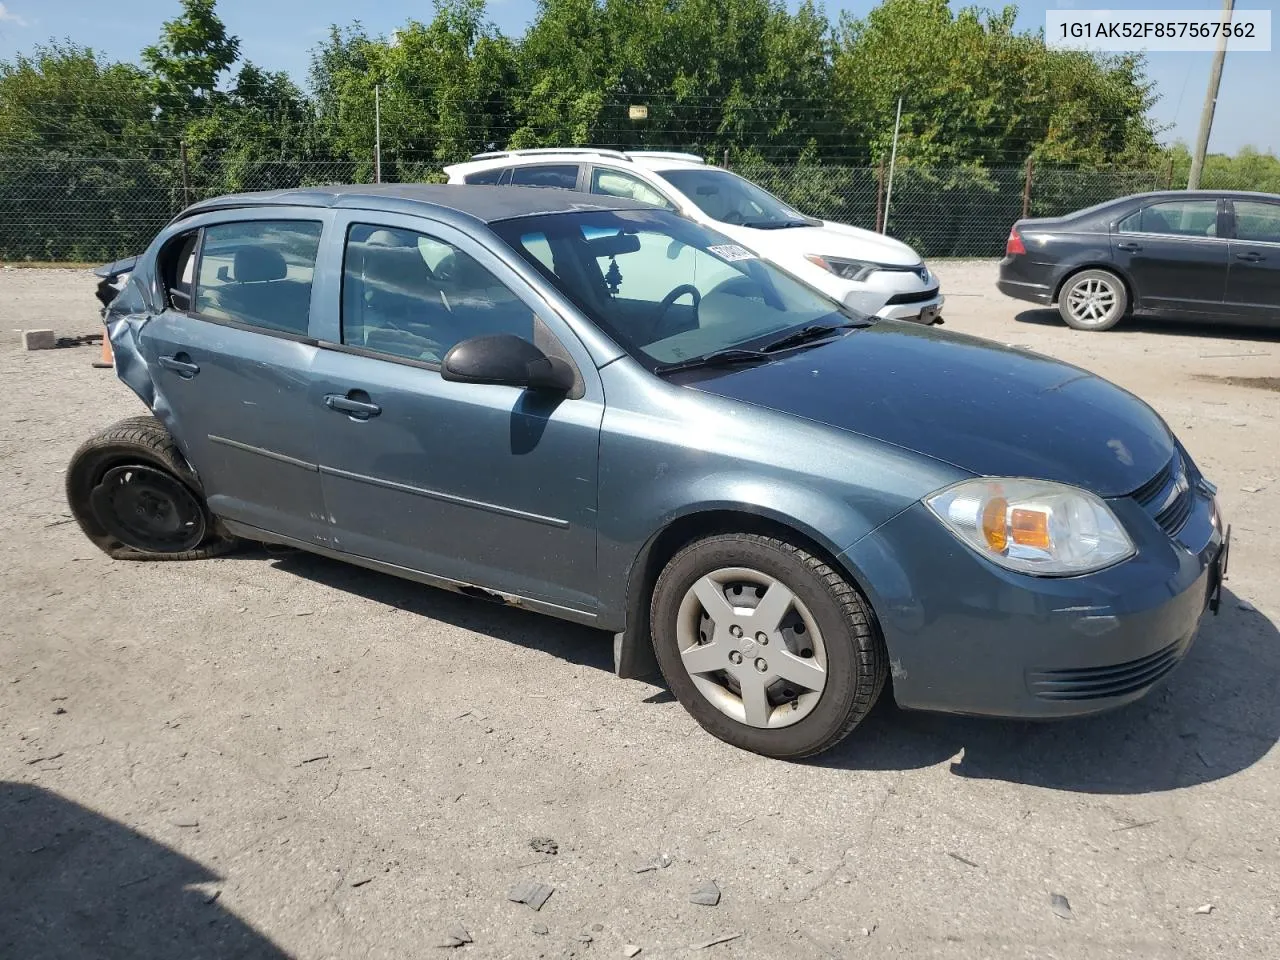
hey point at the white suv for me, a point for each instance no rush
(869, 272)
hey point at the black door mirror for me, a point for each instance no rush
(507, 360)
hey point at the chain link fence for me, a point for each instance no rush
(66, 208)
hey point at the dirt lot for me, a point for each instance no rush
(271, 755)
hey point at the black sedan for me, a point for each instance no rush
(1189, 254)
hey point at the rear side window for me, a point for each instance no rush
(414, 296)
(1257, 221)
(1183, 218)
(615, 183)
(258, 273)
(488, 177)
(563, 175)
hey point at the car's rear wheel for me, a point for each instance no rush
(767, 646)
(135, 497)
(1093, 300)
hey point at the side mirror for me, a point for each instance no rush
(224, 274)
(507, 360)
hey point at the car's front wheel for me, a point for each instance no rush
(767, 646)
(1093, 300)
(135, 497)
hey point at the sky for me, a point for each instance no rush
(279, 34)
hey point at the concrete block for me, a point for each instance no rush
(38, 340)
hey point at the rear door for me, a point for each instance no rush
(1253, 280)
(1175, 252)
(231, 358)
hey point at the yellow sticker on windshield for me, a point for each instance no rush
(732, 252)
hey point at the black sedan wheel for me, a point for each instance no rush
(767, 646)
(1093, 300)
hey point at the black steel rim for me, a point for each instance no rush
(148, 509)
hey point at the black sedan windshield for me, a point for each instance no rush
(666, 289)
(726, 197)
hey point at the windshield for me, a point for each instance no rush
(667, 289)
(726, 197)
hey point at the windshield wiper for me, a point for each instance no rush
(719, 358)
(815, 331)
(776, 224)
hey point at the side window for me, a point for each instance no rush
(1185, 218)
(615, 183)
(258, 272)
(411, 295)
(177, 269)
(563, 175)
(1257, 221)
(488, 177)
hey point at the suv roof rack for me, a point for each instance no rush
(537, 151)
(666, 155)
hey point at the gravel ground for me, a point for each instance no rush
(278, 755)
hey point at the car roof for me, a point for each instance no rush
(1198, 195)
(486, 204)
(646, 159)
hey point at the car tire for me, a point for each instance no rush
(135, 497)
(827, 625)
(1093, 300)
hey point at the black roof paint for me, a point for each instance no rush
(486, 204)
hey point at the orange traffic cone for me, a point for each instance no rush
(108, 359)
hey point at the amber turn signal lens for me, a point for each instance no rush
(1030, 528)
(993, 524)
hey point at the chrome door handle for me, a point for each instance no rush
(180, 364)
(352, 407)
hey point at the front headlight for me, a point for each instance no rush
(1033, 526)
(846, 269)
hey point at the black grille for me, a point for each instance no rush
(920, 296)
(1096, 683)
(1167, 496)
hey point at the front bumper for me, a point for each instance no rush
(965, 636)
(924, 311)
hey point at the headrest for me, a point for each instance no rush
(390, 238)
(256, 264)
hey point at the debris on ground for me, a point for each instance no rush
(38, 340)
(585, 938)
(456, 937)
(724, 938)
(965, 860)
(1205, 908)
(597, 928)
(531, 893)
(708, 895)
(361, 880)
(630, 950)
(1061, 906)
(1246, 606)
(541, 929)
(186, 822)
(545, 845)
(645, 866)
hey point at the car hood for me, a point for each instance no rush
(827, 240)
(989, 409)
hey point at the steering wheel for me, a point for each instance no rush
(669, 301)
(733, 216)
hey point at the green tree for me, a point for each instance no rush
(193, 51)
(975, 91)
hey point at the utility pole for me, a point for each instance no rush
(377, 134)
(1210, 99)
(893, 162)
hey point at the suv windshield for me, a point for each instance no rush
(726, 197)
(668, 290)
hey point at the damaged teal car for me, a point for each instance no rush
(594, 409)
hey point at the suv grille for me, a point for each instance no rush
(1168, 496)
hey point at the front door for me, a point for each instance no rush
(480, 484)
(1175, 254)
(231, 361)
(1253, 282)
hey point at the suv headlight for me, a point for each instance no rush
(1033, 526)
(846, 269)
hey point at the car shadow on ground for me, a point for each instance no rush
(1216, 715)
(1216, 329)
(569, 641)
(74, 883)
